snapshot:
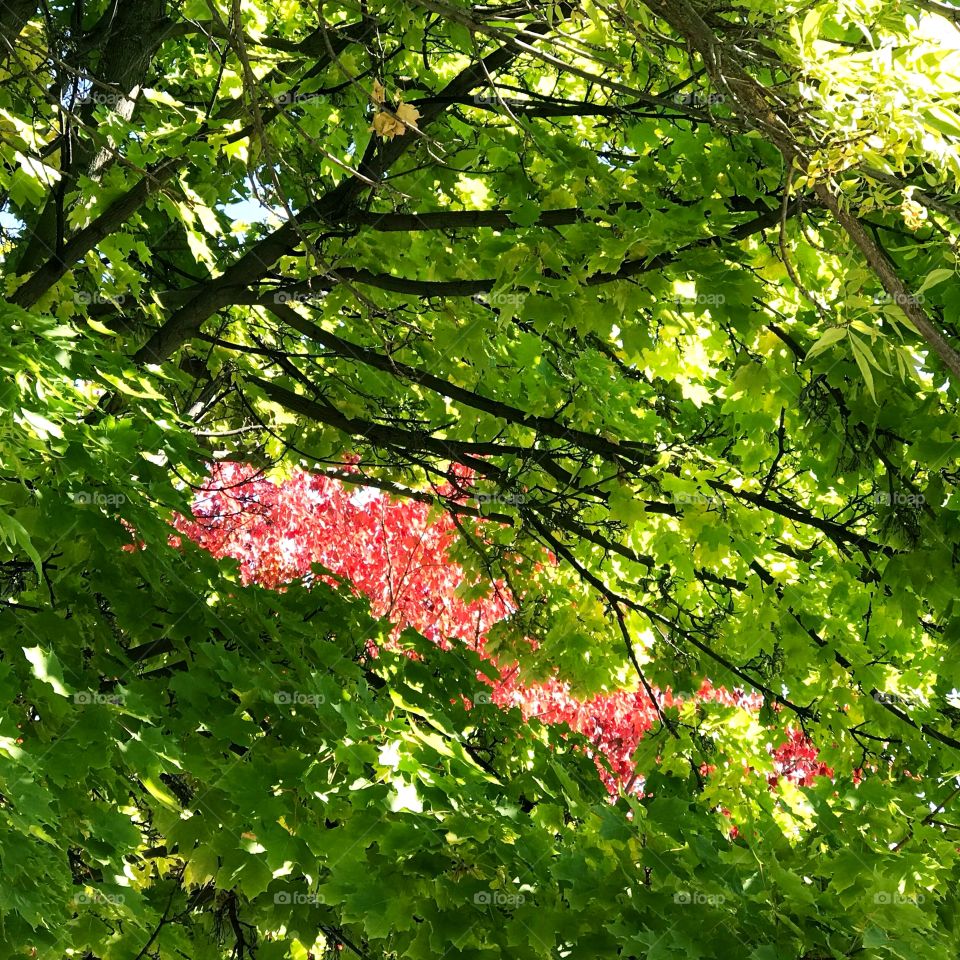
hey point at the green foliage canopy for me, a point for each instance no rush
(677, 282)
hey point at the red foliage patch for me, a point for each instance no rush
(395, 553)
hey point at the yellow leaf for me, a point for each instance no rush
(389, 125)
(378, 93)
(408, 115)
(386, 126)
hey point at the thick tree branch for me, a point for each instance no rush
(548, 426)
(333, 207)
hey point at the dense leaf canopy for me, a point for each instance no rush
(654, 303)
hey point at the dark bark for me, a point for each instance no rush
(243, 293)
(548, 426)
(117, 53)
(14, 14)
